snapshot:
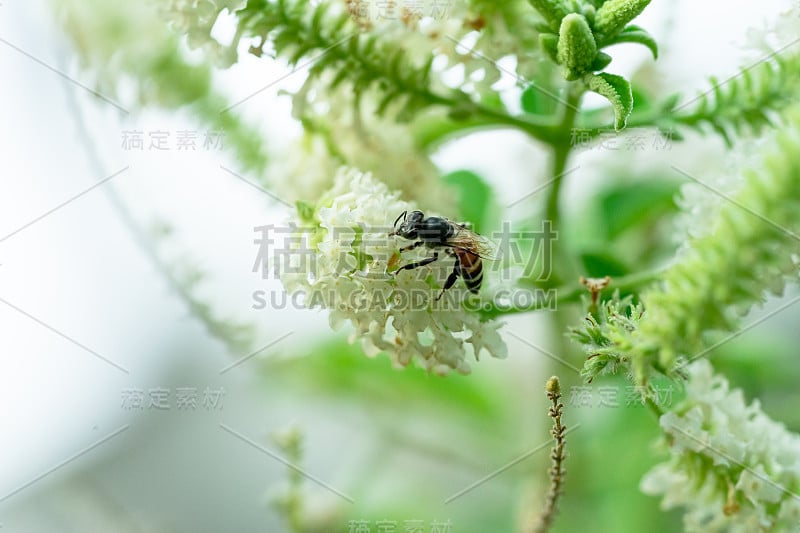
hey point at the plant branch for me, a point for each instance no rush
(561, 152)
(556, 472)
(572, 294)
(368, 61)
(749, 101)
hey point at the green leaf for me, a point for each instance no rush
(549, 43)
(492, 100)
(644, 101)
(614, 15)
(597, 264)
(475, 197)
(576, 47)
(617, 90)
(600, 62)
(634, 204)
(338, 370)
(535, 102)
(635, 34)
(747, 102)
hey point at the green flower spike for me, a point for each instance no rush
(576, 47)
(552, 11)
(614, 15)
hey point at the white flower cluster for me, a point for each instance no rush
(773, 34)
(339, 132)
(353, 275)
(196, 19)
(732, 468)
(700, 204)
(467, 38)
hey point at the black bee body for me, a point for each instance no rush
(433, 231)
(466, 246)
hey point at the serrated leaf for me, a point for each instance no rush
(671, 101)
(339, 78)
(387, 99)
(318, 17)
(635, 34)
(617, 90)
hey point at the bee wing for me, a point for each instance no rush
(468, 240)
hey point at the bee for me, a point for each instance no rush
(457, 240)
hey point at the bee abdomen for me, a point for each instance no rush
(471, 268)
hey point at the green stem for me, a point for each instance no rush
(561, 152)
(542, 130)
(654, 408)
(572, 294)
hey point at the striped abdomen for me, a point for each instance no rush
(471, 269)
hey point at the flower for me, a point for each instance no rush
(770, 35)
(750, 249)
(732, 468)
(342, 130)
(354, 273)
(196, 19)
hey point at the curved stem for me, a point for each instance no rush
(541, 130)
(435, 128)
(572, 294)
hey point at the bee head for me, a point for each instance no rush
(409, 225)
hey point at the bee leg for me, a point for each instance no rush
(451, 279)
(418, 264)
(415, 245)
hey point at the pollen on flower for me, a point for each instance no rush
(354, 275)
